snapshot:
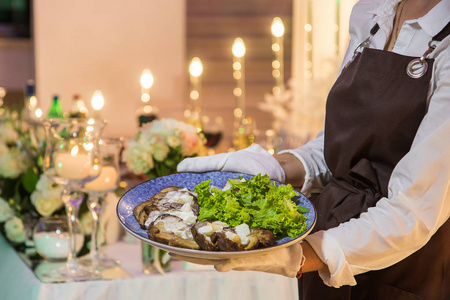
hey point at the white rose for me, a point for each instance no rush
(138, 161)
(5, 210)
(172, 124)
(48, 187)
(8, 134)
(188, 128)
(46, 203)
(155, 128)
(160, 150)
(44, 183)
(12, 163)
(15, 231)
(173, 141)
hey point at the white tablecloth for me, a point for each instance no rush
(18, 282)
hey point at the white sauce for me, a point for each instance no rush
(178, 228)
(186, 214)
(152, 217)
(182, 196)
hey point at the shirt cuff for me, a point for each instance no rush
(317, 173)
(329, 251)
(309, 171)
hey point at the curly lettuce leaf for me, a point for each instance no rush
(258, 202)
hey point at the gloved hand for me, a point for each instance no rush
(285, 261)
(252, 160)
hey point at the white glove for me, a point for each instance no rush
(285, 261)
(252, 160)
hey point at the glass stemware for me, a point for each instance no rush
(72, 158)
(212, 128)
(98, 189)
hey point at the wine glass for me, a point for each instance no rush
(72, 158)
(98, 189)
(212, 128)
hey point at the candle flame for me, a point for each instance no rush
(89, 146)
(33, 101)
(238, 47)
(196, 67)
(145, 97)
(38, 113)
(147, 79)
(97, 100)
(74, 151)
(277, 27)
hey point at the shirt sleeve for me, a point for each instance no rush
(418, 201)
(312, 157)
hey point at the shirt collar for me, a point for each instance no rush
(384, 15)
(436, 19)
(433, 22)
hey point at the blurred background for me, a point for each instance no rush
(78, 47)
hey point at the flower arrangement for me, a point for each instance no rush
(26, 193)
(158, 146)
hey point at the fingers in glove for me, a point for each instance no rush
(198, 261)
(203, 164)
(224, 266)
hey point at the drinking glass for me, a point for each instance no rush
(98, 189)
(213, 130)
(72, 158)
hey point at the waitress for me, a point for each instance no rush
(381, 167)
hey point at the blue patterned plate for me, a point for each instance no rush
(146, 190)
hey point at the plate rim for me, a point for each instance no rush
(211, 254)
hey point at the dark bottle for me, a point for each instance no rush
(31, 111)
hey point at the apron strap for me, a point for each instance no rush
(442, 34)
(419, 66)
(374, 29)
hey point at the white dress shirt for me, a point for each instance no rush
(418, 201)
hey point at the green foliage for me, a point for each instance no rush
(258, 202)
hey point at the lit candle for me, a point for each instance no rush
(55, 245)
(195, 70)
(73, 165)
(278, 49)
(146, 83)
(146, 113)
(107, 181)
(193, 113)
(97, 102)
(238, 50)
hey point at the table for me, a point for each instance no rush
(18, 282)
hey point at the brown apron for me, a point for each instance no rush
(373, 112)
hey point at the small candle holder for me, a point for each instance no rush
(97, 190)
(51, 238)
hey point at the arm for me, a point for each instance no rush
(305, 167)
(293, 169)
(417, 205)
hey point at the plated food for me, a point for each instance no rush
(244, 215)
(144, 191)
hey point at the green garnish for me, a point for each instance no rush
(258, 202)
